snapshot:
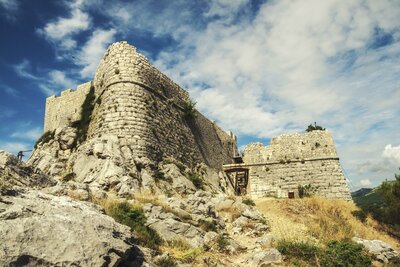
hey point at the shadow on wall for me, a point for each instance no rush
(216, 146)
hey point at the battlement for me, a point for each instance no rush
(292, 146)
(63, 109)
(123, 64)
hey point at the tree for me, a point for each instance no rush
(314, 127)
(390, 191)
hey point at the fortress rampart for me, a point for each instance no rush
(145, 110)
(294, 160)
(66, 108)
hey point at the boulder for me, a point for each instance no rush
(265, 258)
(37, 229)
(381, 250)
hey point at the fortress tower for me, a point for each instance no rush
(146, 111)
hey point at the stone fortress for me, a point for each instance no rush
(145, 110)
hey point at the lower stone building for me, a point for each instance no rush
(294, 165)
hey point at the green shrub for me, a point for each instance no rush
(196, 180)
(68, 177)
(135, 218)
(248, 201)
(189, 110)
(86, 112)
(222, 242)
(208, 226)
(45, 138)
(166, 261)
(314, 127)
(299, 251)
(360, 215)
(337, 253)
(345, 253)
(306, 190)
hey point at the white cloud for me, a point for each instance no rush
(62, 30)
(32, 134)
(94, 49)
(14, 147)
(24, 69)
(365, 183)
(59, 78)
(9, 5)
(49, 82)
(9, 90)
(392, 153)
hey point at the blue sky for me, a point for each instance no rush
(259, 68)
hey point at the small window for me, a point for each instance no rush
(291, 194)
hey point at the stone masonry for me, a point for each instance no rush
(64, 109)
(144, 109)
(294, 160)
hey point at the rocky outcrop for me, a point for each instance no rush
(382, 251)
(37, 229)
(16, 172)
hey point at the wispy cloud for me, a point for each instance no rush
(30, 134)
(9, 90)
(14, 147)
(392, 153)
(48, 81)
(93, 50)
(63, 29)
(10, 8)
(6, 112)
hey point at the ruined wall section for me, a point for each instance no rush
(143, 107)
(278, 179)
(294, 160)
(66, 108)
(315, 144)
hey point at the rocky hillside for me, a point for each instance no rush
(168, 215)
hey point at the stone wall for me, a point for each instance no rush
(66, 108)
(144, 108)
(294, 160)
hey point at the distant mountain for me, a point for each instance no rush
(361, 192)
(368, 198)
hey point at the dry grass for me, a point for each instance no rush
(232, 212)
(180, 250)
(148, 198)
(318, 220)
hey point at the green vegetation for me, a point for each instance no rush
(222, 242)
(248, 201)
(208, 225)
(383, 203)
(189, 109)
(360, 215)
(166, 262)
(314, 127)
(196, 180)
(134, 217)
(345, 253)
(336, 253)
(83, 124)
(306, 190)
(45, 138)
(4, 187)
(68, 177)
(177, 163)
